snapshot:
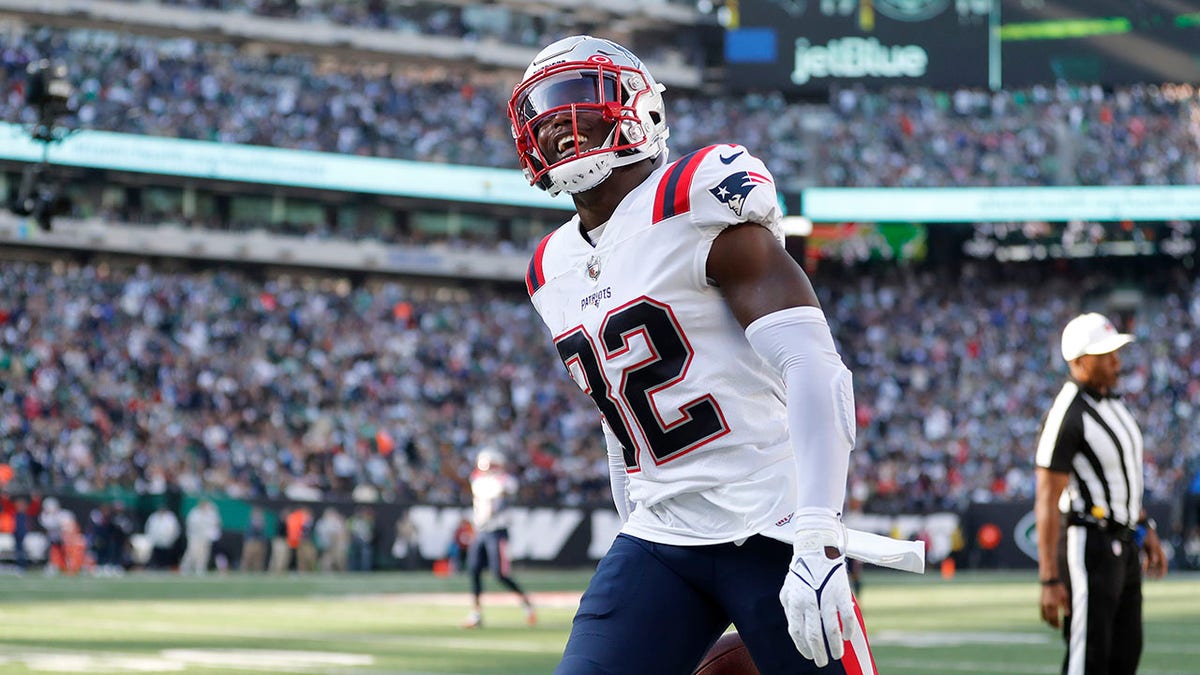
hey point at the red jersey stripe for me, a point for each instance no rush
(673, 196)
(536, 276)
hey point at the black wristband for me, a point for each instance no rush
(1051, 582)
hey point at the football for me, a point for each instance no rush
(728, 656)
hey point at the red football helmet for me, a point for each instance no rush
(584, 74)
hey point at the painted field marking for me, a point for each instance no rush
(176, 660)
(908, 638)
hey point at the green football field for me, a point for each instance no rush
(408, 624)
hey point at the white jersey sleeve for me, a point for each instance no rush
(726, 186)
(732, 186)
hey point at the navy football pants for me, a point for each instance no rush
(656, 609)
(490, 549)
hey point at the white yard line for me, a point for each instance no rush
(953, 667)
(923, 638)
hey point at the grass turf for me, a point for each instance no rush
(407, 624)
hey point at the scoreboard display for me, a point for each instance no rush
(1100, 41)
(805, 46)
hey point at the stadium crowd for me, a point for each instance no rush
(212, 382)
(475, 22)
(300, 387)
(180, 87)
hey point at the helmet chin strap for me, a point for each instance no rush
(584, 173)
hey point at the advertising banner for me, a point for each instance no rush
(997, 535)
(239, 163)
(1003, 535)
(1002, 204)
(804, 46)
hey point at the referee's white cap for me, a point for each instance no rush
(1091, 333)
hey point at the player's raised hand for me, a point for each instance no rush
(816, 593)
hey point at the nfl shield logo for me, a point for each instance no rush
(593, 267)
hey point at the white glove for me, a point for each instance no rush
(816, 593)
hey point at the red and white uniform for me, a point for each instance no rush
(490, 492)
(702, 418)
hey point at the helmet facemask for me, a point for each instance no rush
(582, 98)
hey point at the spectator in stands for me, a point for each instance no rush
(362, 539)
(99, 536)
(74, 558)
(907, 137)
(1191, 500)
(22, 513)
(203, 527)
(121, 528)
(406, 545)
(254, 542)
(460, 543)
(300, 539)
(53, 519)
(978, 352)
(281, 551)
(1191, 548)
(331, 540)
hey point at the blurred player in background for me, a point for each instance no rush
(1092, 528)
(728, 413)
(491, 489)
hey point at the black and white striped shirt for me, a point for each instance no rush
(1097, 441)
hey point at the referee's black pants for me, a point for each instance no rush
(1104, 582)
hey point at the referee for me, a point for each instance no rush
(1090, 521)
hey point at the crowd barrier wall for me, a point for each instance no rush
(998, 535)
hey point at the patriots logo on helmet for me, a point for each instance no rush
(733, 190)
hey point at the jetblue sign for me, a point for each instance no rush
(805, 47)
(853, 57)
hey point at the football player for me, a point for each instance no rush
(491, 489)
(728, 413)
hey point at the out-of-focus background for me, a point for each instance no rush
(269, 255)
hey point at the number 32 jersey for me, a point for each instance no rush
(700, 415)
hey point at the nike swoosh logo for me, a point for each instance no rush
(729, 159)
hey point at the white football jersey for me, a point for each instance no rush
(701, 416)
(490, 492)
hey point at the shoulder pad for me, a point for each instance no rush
(720, 184)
